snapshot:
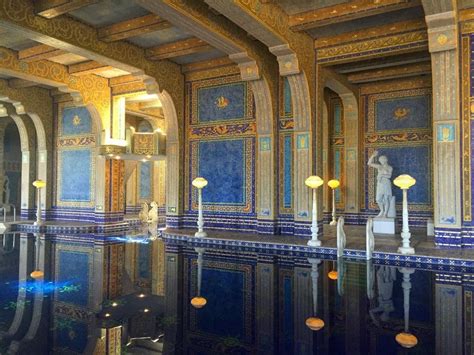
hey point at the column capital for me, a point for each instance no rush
(442, 31)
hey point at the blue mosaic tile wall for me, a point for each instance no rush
(222, 102)
(76, 121)
(415, 160)
(221, 139)
(73, 271)
(403, 113)
(225, 172)
(75, 171)
(75, 175)
(145, 189)
(398, 124)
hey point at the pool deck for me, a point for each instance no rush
(386, 246)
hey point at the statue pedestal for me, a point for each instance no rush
(384, 225)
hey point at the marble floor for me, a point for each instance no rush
(355, 240)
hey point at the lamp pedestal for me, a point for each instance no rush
(314, 242)
(406, 235)
(39, 219)
(200, 222)
(333, 222)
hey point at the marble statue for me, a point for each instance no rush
(383, 194)
(341, 237)
(143, 215)
(386, 276)
(153, 213)
(369, 239)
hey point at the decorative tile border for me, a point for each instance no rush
(396, 259)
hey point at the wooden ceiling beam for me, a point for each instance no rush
(89, 67)
(132, 28)
(53, 8)
(39, 52)
(207, 64)
(178, 49)
(346, 12)
(123, 80)
(390, 73)
(20, 83)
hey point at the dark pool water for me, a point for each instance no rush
(127, 294)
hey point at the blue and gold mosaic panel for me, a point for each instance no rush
(221, 99)
(228, 281)
(228, 165)
(75, 180)
(396, 111)
(73, 270)
(70, 335)
(286, 174)
(145, 178)
(413, 160)
(75, 121)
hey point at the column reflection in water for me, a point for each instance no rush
(313, 322)
(198, 301)
(405, 338)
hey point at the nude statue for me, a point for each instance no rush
(383, 195)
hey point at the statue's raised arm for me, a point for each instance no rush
(371, 160)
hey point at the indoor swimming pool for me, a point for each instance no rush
(137, 294)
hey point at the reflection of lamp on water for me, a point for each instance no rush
(332, 275)
(39, 184)
(333, 184)
(37, 273)
(200, 183)
(314, 323)
(340, 275)
(405, 338)
(370, 279)
(314, 182)
(405, 182)
(199, 301)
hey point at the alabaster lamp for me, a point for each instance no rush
(314, 323)
(39, 184)
(405, 338)
(314, 182)
(333, 184)
(200, 183)
(199, 302)
(405, 182)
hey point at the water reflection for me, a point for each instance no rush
(133, 292)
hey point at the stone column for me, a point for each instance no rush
(443, 46)
(265, 169)
(448, 316)
(173, 303)
(303, 308)
(265, 307)
(351, 152)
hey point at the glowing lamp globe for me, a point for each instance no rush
(334, 184)
(199, 182)
(406, 340)
(39, 184)
(37, 274)
(404, 181)
(314, 323)
(332, 275)
(198, 302)
(314, 182)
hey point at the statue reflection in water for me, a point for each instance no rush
(386, 276)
